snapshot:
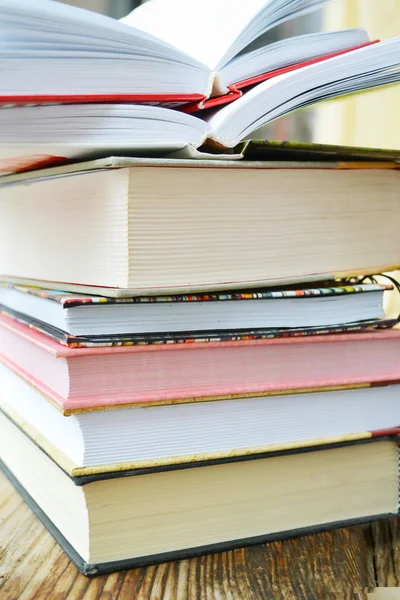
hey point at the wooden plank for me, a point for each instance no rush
(336, 565)
(386, 549)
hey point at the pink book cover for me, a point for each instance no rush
(77, 379)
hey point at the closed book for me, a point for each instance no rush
(85, 378)
(153, 230)
(121, 438)
(113, 521)
(82, 317)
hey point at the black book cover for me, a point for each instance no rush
(109, 567)
(91, 570)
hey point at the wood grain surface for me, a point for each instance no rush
(342, 564)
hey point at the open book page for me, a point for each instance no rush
(51, 49)
(204, 30)
(41, 135)
(42, 25)
(290, 51)
(355, 71)
(32, 134)
(213, 31)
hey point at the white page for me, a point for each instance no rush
(361, 69)
(204, 30)
(78, 131)
(214, 31)
(288, 51)
(59, 24)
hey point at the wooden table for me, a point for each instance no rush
(338, 564)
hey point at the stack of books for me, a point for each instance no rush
(194, 352)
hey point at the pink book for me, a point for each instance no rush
(77, 379)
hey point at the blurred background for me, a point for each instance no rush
(112, 8)
(369, 119)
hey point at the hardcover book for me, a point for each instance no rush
(83, 378)
(114, 521)
(92, 317)
(123, 438)
(255, 154)
(153, 229)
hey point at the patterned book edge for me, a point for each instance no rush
(188, 337)
(70, 300)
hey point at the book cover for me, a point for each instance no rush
(345, 157)
(90, 569)
(85, 474)
(29, 354)
(70, 300)
(188, 337)
(254, 154)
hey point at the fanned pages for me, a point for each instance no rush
(218, 31)
(280, 54)
(368, 67)
(77, 54)
(47, 32)
(33, 133)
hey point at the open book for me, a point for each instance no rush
(170, 52)
(32, 136)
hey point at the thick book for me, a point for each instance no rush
(92, 317)
(114, 521)
(76, 131)
(158, 228)
(202, 58)
(125, 438)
